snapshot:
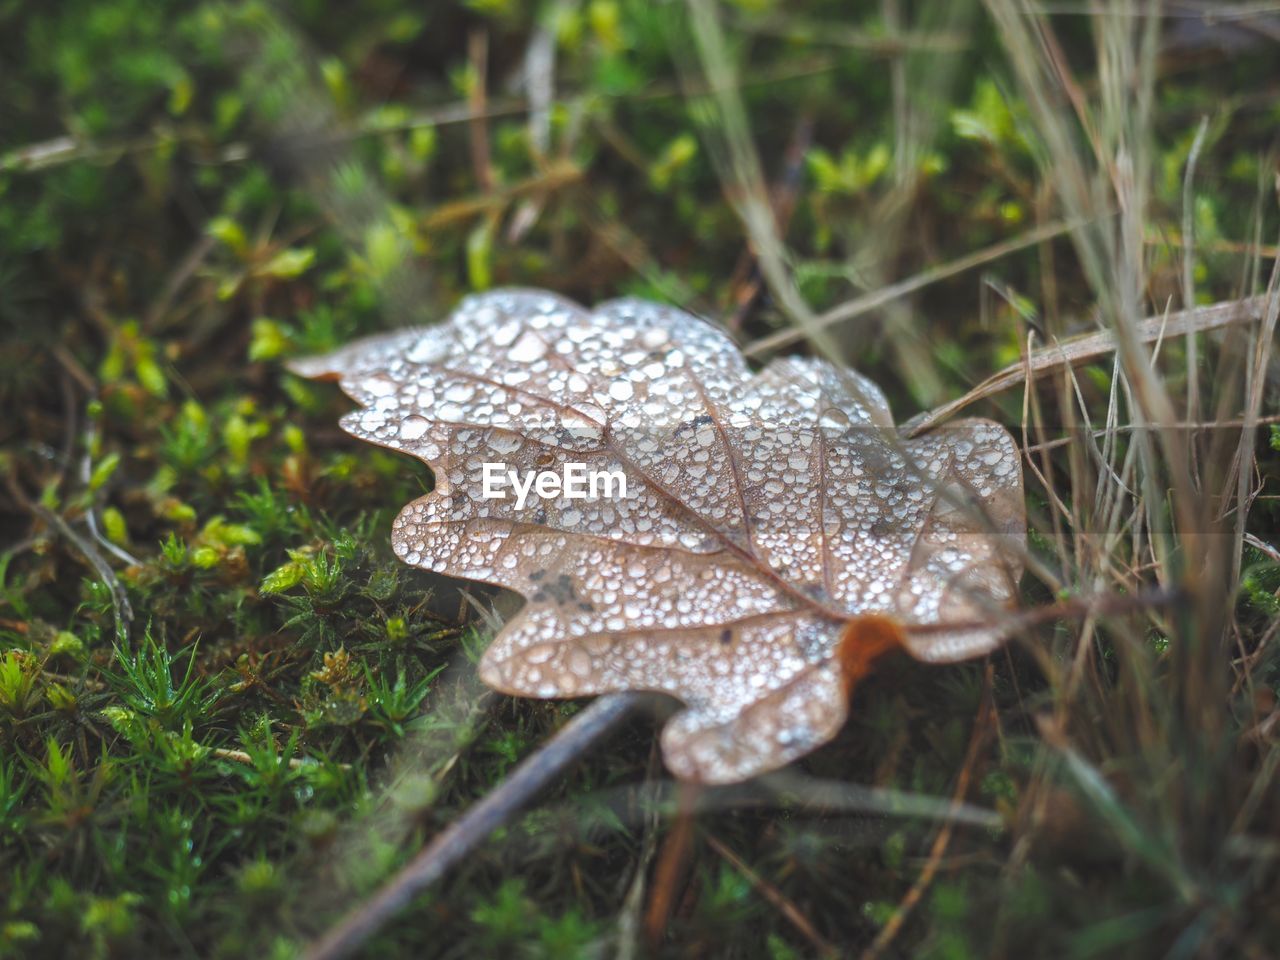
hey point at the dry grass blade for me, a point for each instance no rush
(1188, 268)
(860, 306)
(727, 134)
(1080, 349)
(1255, 383)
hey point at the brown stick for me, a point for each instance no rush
(471, 829)
(673, 862)
(940, 843)
(478, 58)
(777, 898)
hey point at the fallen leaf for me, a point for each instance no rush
(777, 533)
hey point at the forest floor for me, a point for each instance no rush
(228, 712)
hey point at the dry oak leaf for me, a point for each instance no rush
(777, 532)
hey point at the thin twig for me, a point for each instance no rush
(119, 598)
(471, 829)
(631, 249)
(66, 359)
(893, 927)
(478, 59)
(91, 511)
(177, 279)
(556, 176)
(540, 86)
(775, 897)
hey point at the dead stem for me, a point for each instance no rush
(478, 61)
(673, 865)
(891, 929)
(471, 829)
(1188, 270)
(777, 898)
(119, 598)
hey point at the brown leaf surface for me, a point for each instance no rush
(778, 533)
